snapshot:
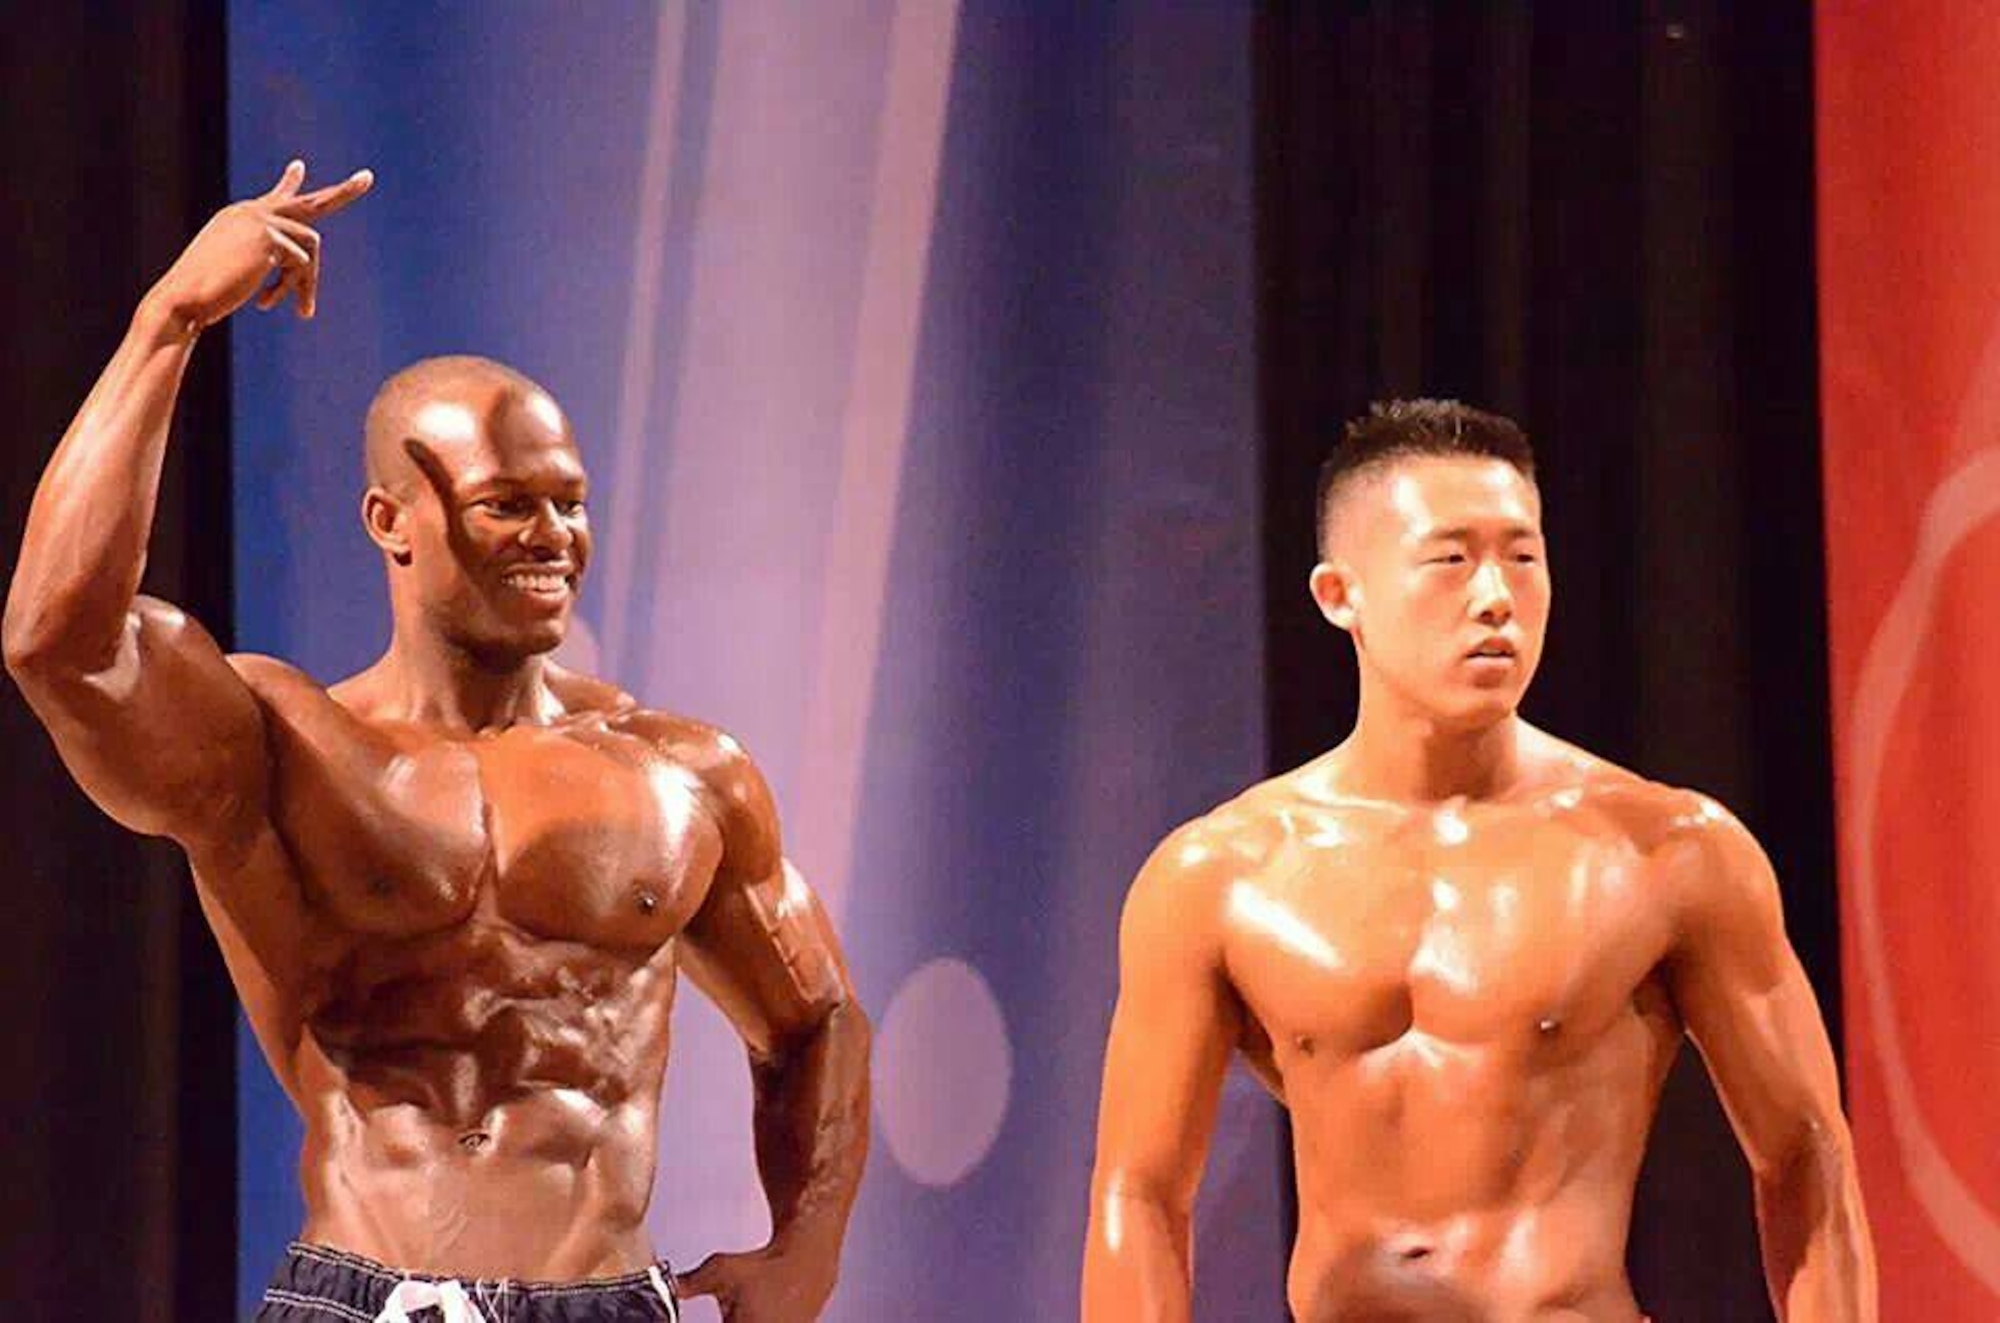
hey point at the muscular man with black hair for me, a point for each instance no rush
(1464, 954)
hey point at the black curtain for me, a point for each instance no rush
(1598, 219)
(118, 1109)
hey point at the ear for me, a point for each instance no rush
(1338, 594)
(387, 522)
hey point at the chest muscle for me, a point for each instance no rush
(578, 836)
(1347, 950)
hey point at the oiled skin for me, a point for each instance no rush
(473, 997)
(1471, 1076)
(1464, 955)
(455, 890)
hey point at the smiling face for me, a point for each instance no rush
(1438, 570)
(479, 500)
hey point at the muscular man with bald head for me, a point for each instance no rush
(1463, 954)
(454, 891)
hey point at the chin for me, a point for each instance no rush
(531, 631)
(515, 644)
(1450, 703)
(534, 642)
(1479, 711)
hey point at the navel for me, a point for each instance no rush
(1411, 1248)
(474, 1140)
(1304, 1044)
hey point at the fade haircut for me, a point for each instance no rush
(1396, 430)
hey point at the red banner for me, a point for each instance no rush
(1909, 220)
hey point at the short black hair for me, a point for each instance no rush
(1394, 430)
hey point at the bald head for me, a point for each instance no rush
(448, 409)
(474, 481)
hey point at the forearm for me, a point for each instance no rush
(1818, 1257)
(1136, 1264)
(812, 1132)
(85, 548)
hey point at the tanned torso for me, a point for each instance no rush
(1464, 1007)
(1464, 953)
(453, 891)
(471, 1012)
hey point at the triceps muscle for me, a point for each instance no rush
(167, 739)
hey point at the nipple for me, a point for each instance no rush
(1547, 1025)
(648, 902)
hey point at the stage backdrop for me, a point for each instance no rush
(910, 346)
(1910, 287)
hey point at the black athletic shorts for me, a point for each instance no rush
(318, 1285)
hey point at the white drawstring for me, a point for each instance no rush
(450, 1297)
(413, 1295)
(666, 1293)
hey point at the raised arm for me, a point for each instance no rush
(143, 707)
(762, 949)
(1171, 1037)
(1749, 1009)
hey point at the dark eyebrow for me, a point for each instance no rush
(513, 483)
(1512, 533)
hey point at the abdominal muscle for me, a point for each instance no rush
(1445, 1183)
(549, 1184)
(1505, 1264)
(480, 1102)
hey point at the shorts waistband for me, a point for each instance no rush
(522, 1287)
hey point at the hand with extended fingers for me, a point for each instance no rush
(264, 246)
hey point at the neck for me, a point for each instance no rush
(434, 680)
(1401, 754)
